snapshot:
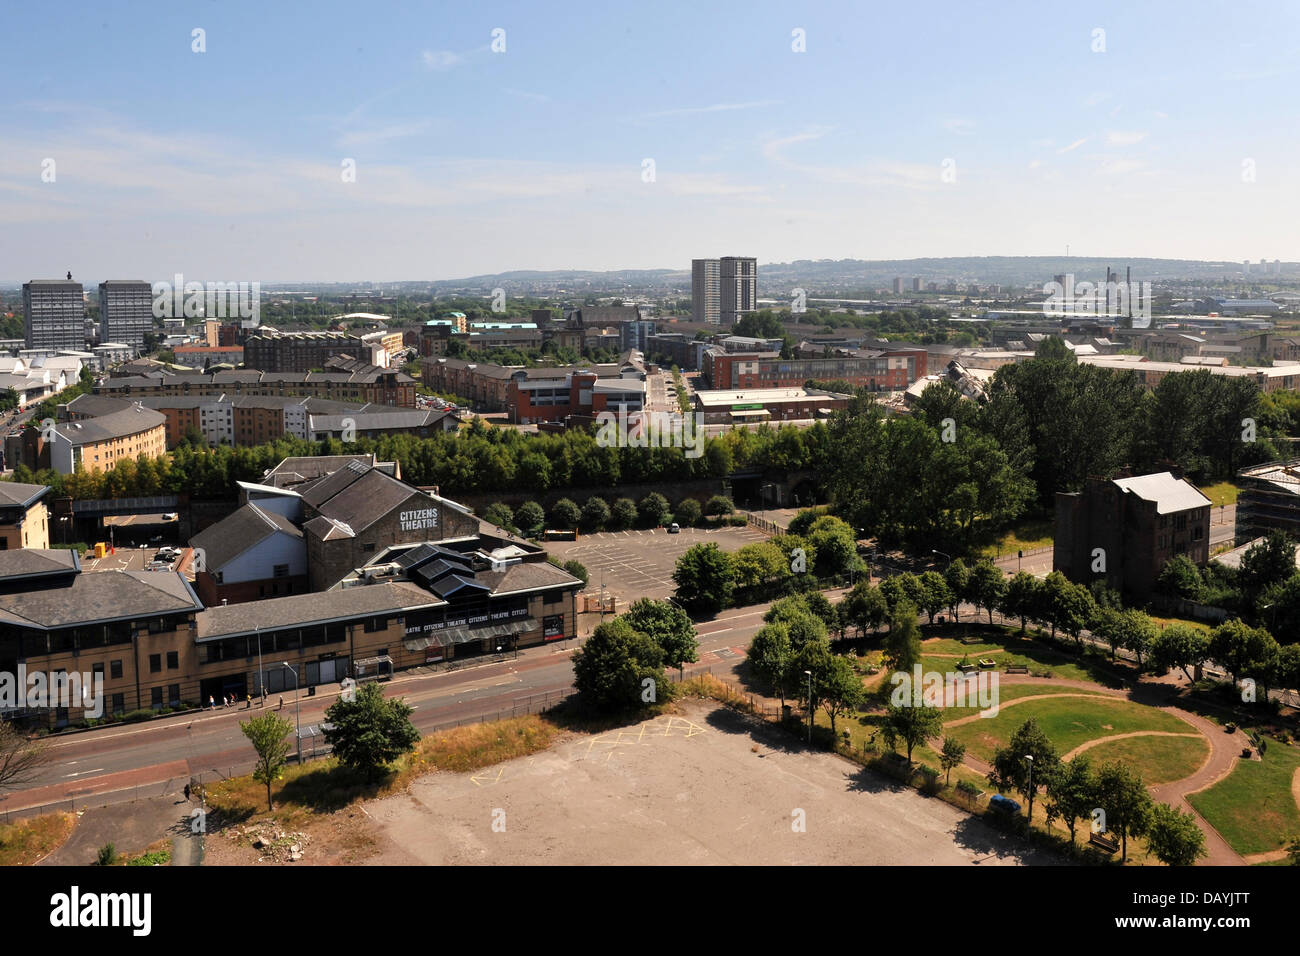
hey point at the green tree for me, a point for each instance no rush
(957, 577)
(1230, 647)
(950, 757)
(620, 669)
(772, 657)
(1174, 837)
(1181, 646)
(595, 514)
(653, 509)
(1012, 769)
(935, 595)
(687, 512)
(269, 735)
(1267, 563)
(704, 579)
(370, 731)
(903, 644)
(1121, 794)
(864, 607)
(1180, 577)
(499, 514)
(911, 726)
(565, 514)
(719, 506)
(986, 586)
(578, 570)
(622, 514)
(1022, 597)
(837, 686)
(669, 627)
(758, 565)
(530, 517)
(1137, 633)
(1072, 793)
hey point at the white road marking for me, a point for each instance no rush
(80, 773)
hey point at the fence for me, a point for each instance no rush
(763, 524)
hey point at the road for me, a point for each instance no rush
(105, 765)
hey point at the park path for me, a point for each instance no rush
(1089, 744)
(1011, 703)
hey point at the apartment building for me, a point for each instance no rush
(892, 370)
(738, 284)
(125, 311)
(343, 381)
(54, 314)
(98, 444)
(24, 518)
(706, 291)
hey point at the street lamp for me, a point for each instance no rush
(297, 704)
(1030, 810)
(810, 707)
(948, 556)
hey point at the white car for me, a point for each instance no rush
(169, 553)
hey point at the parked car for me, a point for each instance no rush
(171, 516)
(1004, 804)
(674, 528)
(169, 553)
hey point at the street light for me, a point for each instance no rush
(948, 556)
(810, 707)
(297, 704)
(1030, 810)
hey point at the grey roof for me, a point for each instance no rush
(528, 576)
(389, 418)
(242, 529)
(94, 406)
(100, 596)
(317, 608)
(1169, 493)
(14, 494)
(129, 421)
(28, 562)
(363, 501)
(294, 471)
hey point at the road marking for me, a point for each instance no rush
(80, 773)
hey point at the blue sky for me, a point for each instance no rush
(926, 129)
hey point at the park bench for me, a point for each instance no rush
(1017, 668)
(972, 640)
(1107, 843)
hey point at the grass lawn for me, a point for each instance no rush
(1041, 661)
(24, 842)
(1253, 807)
(1158, 759)
(1221, 493)
(1023, 536)
(1163, 622)
(1067, 721)
(950, 645)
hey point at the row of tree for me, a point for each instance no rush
(596, 514)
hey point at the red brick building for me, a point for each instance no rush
(879, 370)
(534, 400)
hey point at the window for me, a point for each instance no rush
(173, 695)
(156, 700)
(118, 703)
(173, 660)
(155, 663)
(280, 571)
(97, 669)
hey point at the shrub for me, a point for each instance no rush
(530, 517)
(107, 855)
(688, 511)
(577, 569)
(653, 509)
(595, 514)
(499, 514)
(622, 514)
(719, 506)
(565, 514)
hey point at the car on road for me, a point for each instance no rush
(674, 528)
(171, 516)
(158, 566)
(168, 553)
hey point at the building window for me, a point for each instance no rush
(155, 663)
(118, 705)
(173, 660)
(115, 670)
(156, 695)
(280, 571)
(173, 695)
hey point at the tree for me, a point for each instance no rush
(687, 512)
(499, 514)
(370, 731)
(1072, 792)
(759, 564)
(704, 579)
(565, 514)
(653, 509)
(269, 735)
(669, 627)
(622, 514)
(530, 517)
(864, 606)
(986, 586)
(911, 726)
(619, 669)
(935, 595)
(1267, 563)
(1022, 597)
(577, 569)
(837, 686)
(1137, 633)
(1011, 769)
(951, 756)
(1108, 626)
(1181, 646)
(595, 514)
(1125, 800)
(719, 506)
(772, 657)
(957, 577)
(903, 644)
(1230, 647)
(21, 759)
(1174, 837)
(1180, 577)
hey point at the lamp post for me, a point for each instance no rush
(297, 704)
(1029, 816)
(810, 707)
(948, 556)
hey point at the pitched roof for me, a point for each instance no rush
(14, 494)
(100, 596)
(304, 610)
(364, 500)
(129, 421)
(242, 529)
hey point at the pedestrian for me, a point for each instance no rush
(248, 702)
(187, 793)
(212, 704)
(281, 707)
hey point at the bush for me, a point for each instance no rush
(595, 514)
(577, 569)
(653, 509)
(107, 855)
(688, 512)
(530, 517)
(156, 858)
(565, 514)
(499, 514)
(718, 506)
(622, 515)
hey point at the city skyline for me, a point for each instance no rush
(825, 134)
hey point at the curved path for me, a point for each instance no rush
(1089, 744)
(1224, 753)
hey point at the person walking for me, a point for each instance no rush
(212, 703)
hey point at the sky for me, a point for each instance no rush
(343, 141)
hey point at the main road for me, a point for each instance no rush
(109, 764)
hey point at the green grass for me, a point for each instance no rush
(1158, 759)
(950, 645)
(1253, 807)
(1041, 661)
(1221, 493)
(1025, 535)
(1163, 622)
(1067, 721)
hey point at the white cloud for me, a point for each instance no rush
(1073, 146)
(715, 108)
(440, 59)
(1120, 137)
